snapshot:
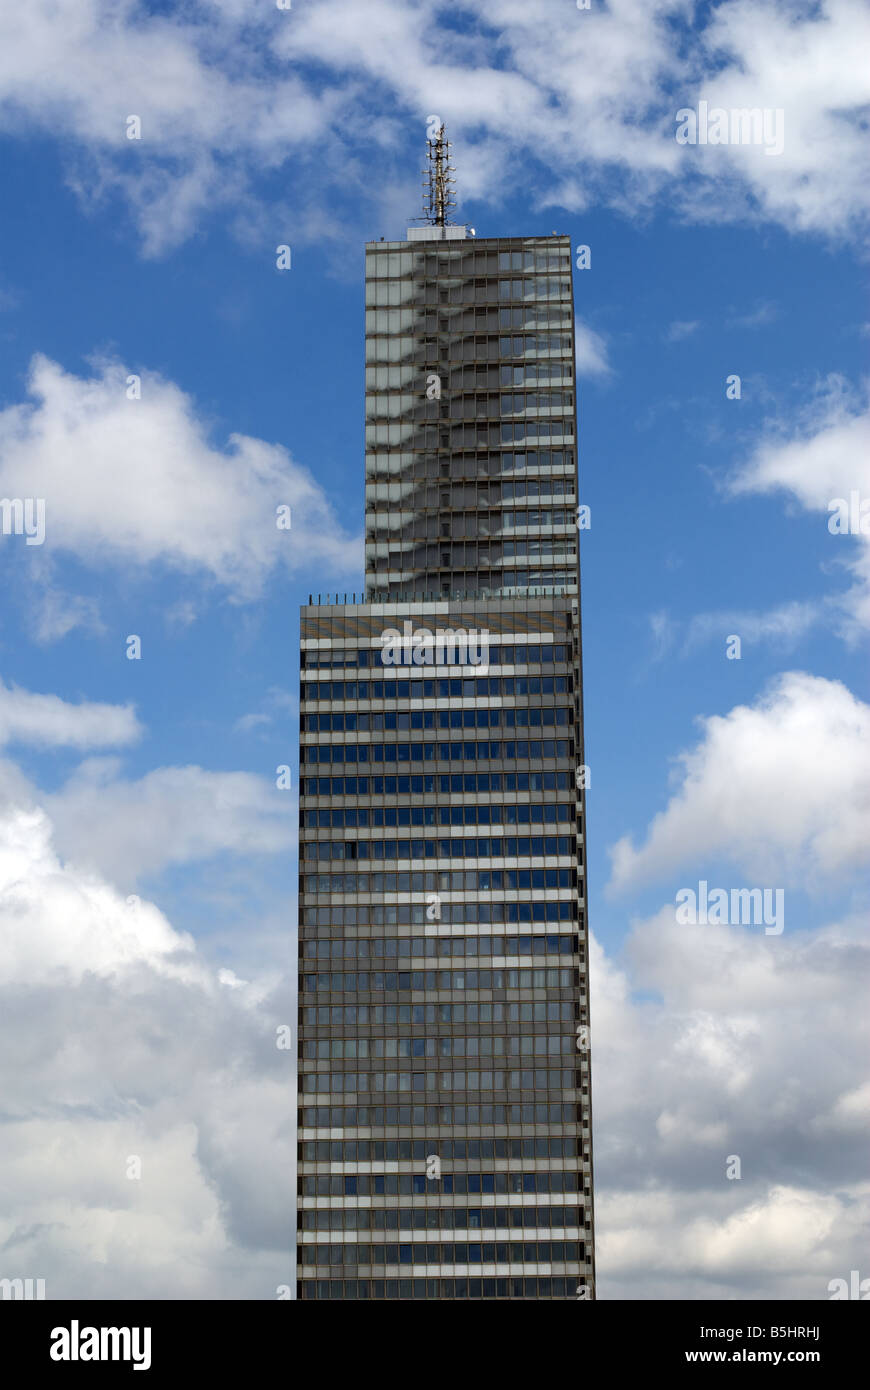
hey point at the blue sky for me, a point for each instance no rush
(156, 777)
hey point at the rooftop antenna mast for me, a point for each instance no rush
(438, 200)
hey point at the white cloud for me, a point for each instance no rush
(137, 482)
(585, 101)
(826, 454)
(825, 457)
(246, 723)
(116, 1041)
(75, 924)
(781, 788)
(55, 614)
(739, 1045)
(277, 702)
(207, 110)
(764, 312)
(46, 721)
(680, 329)
(781, 627)
(590, 351)
(850, 1112)
(809, 65)
(126, 829)
(782, 1242)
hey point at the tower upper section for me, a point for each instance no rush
(471, 462)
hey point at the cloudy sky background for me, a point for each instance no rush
(147, 859)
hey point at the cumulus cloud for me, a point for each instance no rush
(710, 1043)
(587, 99)
(195, 80)
(47, 721)
(781, 787)
(138, 483)
(128, 828)
(806, 64)
(825, 457)
(533, 78)
(118, 1045)
(827, 451)
(76, 924)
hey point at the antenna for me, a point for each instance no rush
(438, 200)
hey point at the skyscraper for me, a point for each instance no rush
(444, 1090)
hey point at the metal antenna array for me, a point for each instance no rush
(438, 200)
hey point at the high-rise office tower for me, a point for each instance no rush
(444, 1090)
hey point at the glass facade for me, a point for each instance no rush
(470, 417)
(444, 1090)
